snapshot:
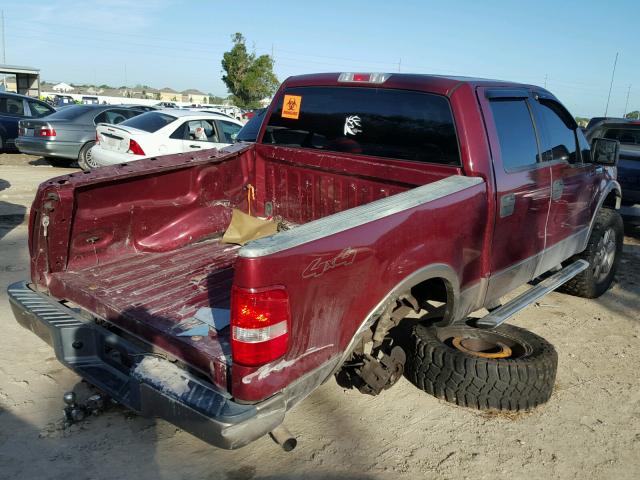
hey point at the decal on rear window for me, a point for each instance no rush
(291, 106)
(352, 125)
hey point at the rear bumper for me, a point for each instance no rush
(48, 148)
(109, 362)
(105, 158)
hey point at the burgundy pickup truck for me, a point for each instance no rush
(405, 203)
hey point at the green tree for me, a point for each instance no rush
(635, 114)
(248, 77)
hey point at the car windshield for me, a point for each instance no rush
(70, 113)
(626, 136)
(150, 121)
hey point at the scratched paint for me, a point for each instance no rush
(266, 370)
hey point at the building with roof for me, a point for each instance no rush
(194, 96)
(62, 88)
(169, 95)
(27, 79)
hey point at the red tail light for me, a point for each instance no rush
(135, 148)
(97, 138)
(21, 131)
(259, 325)
(47, 132)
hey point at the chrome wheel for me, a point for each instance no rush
(605, 255)
(88, 159)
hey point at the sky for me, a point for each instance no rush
(568, 45)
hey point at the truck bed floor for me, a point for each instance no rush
(148, 292)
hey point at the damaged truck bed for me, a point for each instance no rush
(391, 197)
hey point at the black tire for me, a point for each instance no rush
(84, 157)
(520, 382)
(591, 283)
(59, 162)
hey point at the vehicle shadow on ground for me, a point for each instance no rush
(39, 162)
(11, 214)
(320, 411)
(622, 297)
(43, 162)
(83, 450)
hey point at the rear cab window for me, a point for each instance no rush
(388, 123)
(150, 121)
(626, 136)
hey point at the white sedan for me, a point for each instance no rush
(161, 132)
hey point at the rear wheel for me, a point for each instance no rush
(603, 254)
(85, 159)
(506, 368)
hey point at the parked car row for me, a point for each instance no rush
(68, 135)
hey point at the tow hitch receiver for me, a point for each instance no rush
(503, 313)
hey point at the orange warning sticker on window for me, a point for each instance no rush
(291, 106)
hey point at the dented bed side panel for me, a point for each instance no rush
(335, 281)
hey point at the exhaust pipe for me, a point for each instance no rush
(284, 438)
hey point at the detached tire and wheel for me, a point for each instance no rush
(506, 368)
(85, 160)
(603, 254)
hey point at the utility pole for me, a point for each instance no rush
(626, 103)
(546, 75)
(399, 64)
(613, 73)
(4, 50)
(4, 54)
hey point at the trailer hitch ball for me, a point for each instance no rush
(72, 412)
(284, 438)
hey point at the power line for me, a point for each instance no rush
(613, 73)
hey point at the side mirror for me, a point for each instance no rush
(605, 151)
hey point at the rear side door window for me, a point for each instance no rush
(12, 106)
(202, 131)
(557, 137)
(228, 130)
(516, 133)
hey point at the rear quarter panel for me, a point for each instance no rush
(330, 300)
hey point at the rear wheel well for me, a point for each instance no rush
(612, 200)
(435, 295)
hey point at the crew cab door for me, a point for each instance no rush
(573, 181)
(523, 189)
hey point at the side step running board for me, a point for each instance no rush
(503, 313)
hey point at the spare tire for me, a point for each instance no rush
(506, 368)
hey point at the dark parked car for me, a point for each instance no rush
(63, 100)
(14, 108)
(250, 131)
(69, 134)
(627, 132)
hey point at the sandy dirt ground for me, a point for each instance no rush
(589, 429)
